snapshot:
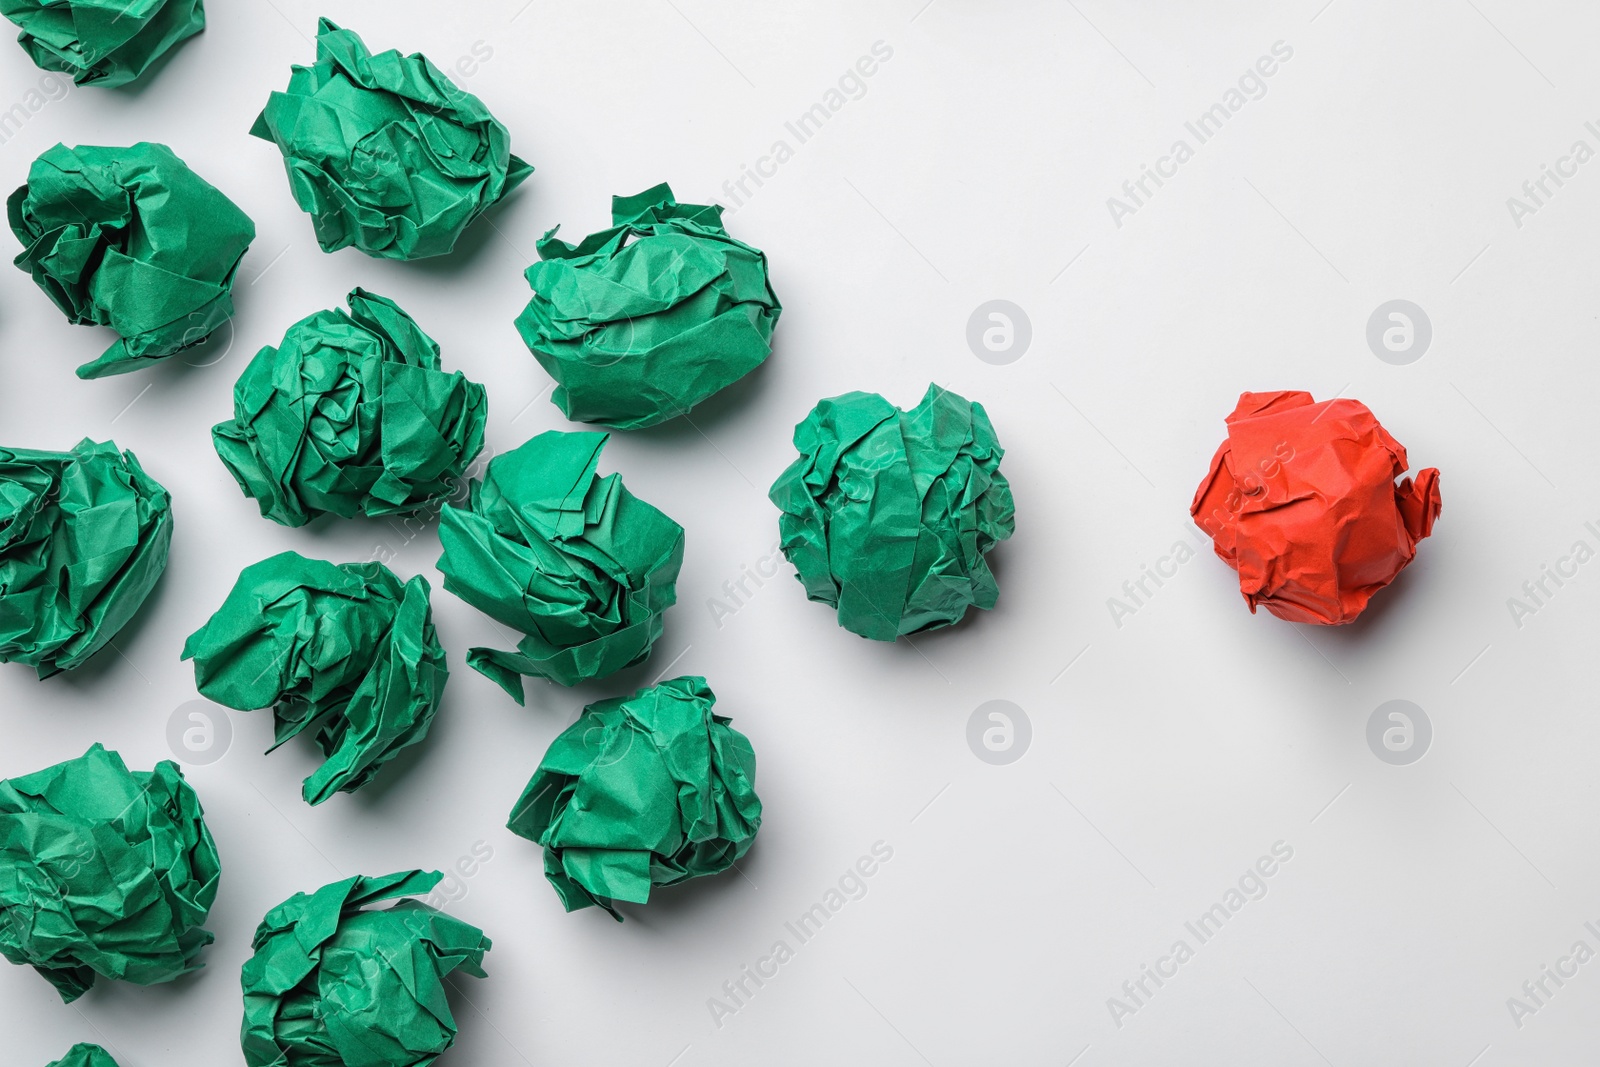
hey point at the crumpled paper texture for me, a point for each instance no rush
(384, 151)
(574, 561)
(639, 323)
(647, 790)
(84, 537)
(1301, 500)
(130, 238)
(85, 1055)
(104, 872)
(347, 649)
(102, 42)
(335, 983)
(887, 515)
(351, 414)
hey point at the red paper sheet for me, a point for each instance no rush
(1301, 500)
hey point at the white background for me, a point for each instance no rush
(1175, 750)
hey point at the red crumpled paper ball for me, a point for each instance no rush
(1301, 500)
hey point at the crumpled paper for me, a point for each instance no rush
(346, 648)
(102, 42)
(130, 238)
(350, 414)
(888, 514)
(384, 151)
(85, 1055)
(574, 561)
(104, 872)
(334, 983)
(639, 323)
(647, 790)
(83, 540)
(1301, 501)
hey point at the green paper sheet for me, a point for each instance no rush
(384, 151)
(104, 872)
(351, 414)
(85, 1055)
(347, 649)
(574, 561)
(83, 540)
(130, 238)
(639, 323)
(335, 983)
(647, 790)
(888, 514)
(102, 42)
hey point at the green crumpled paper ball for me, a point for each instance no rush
(104, 872)
(83, 540)
(346, 648)
(85, 1055)
(582, 567)
(351, 414)
(641, 322)
(888, 514)
(130, 238)
(334, 983)
(102, 42)
(384, 151)
(647, 790)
